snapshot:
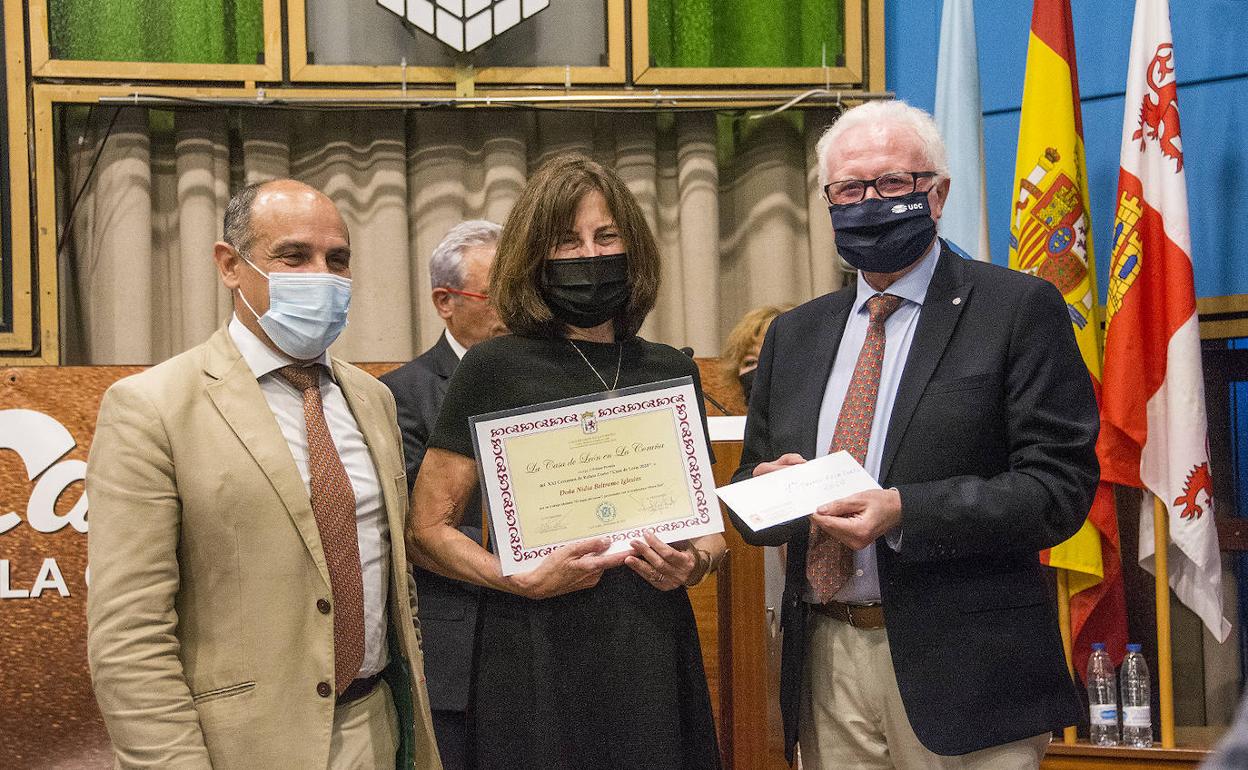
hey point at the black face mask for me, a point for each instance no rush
(586, 291)
(883, 235)
(747, 383)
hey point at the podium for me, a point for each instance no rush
(733, 620)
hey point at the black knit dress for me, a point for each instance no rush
(607, 677)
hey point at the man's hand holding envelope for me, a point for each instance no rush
(839, 495)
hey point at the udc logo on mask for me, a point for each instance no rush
(902, 208)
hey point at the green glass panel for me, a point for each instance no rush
(747, 33)
(183, 31)
(6, 240)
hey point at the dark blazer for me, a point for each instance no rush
(991, 445)
(447, 608)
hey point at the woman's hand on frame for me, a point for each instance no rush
(574, 567)
(663, 566)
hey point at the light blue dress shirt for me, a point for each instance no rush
(863, 586)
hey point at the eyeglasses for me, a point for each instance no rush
(463, 293)
(892, 185)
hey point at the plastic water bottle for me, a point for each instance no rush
(1102, 698)
(1137, 720)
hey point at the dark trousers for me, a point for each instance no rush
(451, 730)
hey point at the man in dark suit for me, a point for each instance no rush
(459, 271)
(1232, 751)
(919, 628)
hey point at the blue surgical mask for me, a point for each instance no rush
(307, 311)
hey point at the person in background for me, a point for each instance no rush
(1232, 750)
(740, 356)
(919, 627)
(589, 660)
(459, 271)
(249, 598)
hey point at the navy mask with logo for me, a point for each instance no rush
(883, 235)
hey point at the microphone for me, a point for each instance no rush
(689, 352)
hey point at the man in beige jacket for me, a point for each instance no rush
(249, 607)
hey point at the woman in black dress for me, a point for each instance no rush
(590, 660)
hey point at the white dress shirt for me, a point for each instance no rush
(459, 349)
(370, 513)
(863, 585)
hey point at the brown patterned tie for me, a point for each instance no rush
(829, 562)
(333, 505)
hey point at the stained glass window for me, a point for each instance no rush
(747, 33)
(185, 31)
(6, 240)
(464, 24)
(439, 33)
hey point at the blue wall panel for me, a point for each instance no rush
(1209, 38)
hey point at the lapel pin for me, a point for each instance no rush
(957, 300)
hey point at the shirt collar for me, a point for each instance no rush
(261, 358)
(459, 349)
(911, 287)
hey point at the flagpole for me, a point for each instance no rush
(1069, 735)
(1165, 672)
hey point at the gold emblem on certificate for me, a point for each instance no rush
(616, 464)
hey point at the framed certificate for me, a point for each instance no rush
(616, 464)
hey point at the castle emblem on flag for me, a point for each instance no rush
(1159, 116)
(1124, 258)
(1049, 233)
(1198, 481)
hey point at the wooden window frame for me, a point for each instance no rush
(864, 57)
(20, 344)
(1224, 317)
(614, 73)
(43, 65)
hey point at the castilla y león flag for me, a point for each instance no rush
(1153, 419)
(1050, 236)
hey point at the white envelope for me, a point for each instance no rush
(796, 491)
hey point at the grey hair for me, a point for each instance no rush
(890, 112)
(446, 265)
(236, 230)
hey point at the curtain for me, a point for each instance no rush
(746, 33)
(740, 223)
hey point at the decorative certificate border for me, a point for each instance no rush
(491, 432)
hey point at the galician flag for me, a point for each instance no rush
(959, 115)
(1153, 422)
(1050, 236)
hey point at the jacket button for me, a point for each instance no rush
(323, 606)
(324, 690)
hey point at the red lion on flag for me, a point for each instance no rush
(1198, 481)
(1165, 110)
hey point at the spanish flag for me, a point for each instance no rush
(1051, 236)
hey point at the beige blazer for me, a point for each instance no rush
(203, 634)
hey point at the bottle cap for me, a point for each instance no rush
(1134, 647)
(1098, 646)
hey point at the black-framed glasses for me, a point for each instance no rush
(892, 185)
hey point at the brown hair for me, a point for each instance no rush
(545, 211)
(752, 326)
